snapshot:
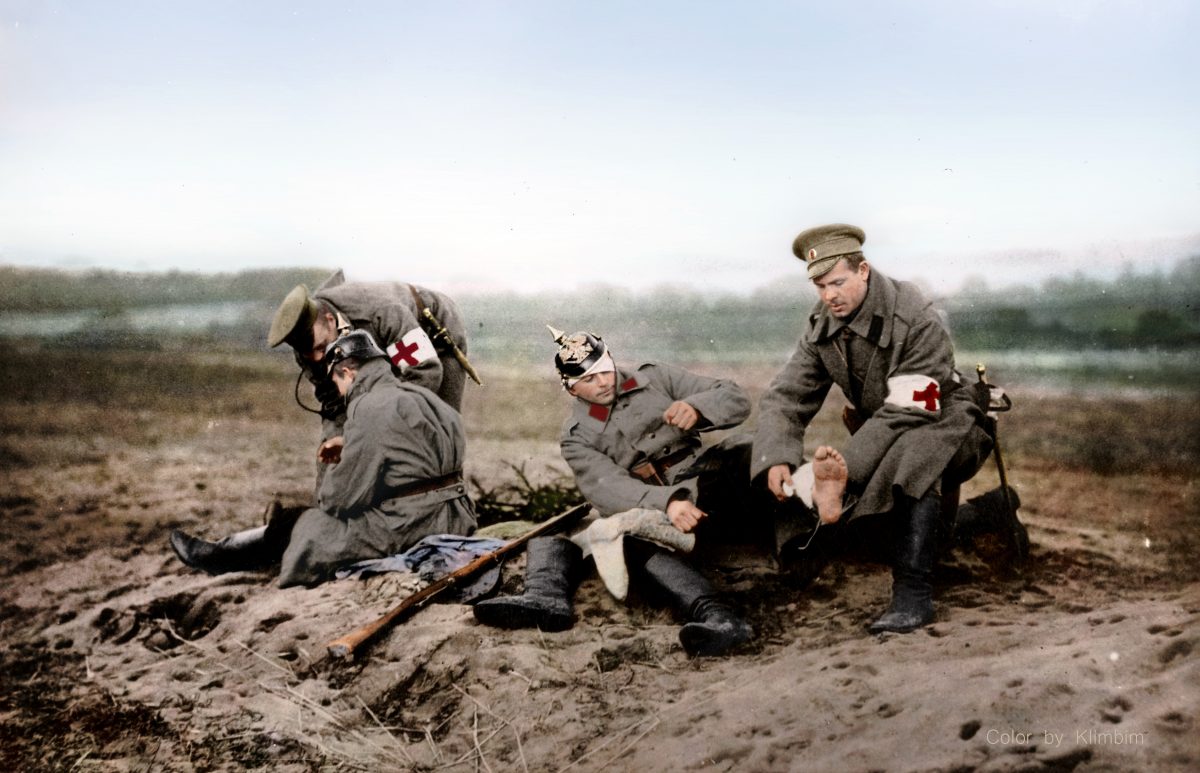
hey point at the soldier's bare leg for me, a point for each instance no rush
(829, 484)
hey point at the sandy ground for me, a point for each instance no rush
(115, 657)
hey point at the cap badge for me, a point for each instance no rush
(575, 349)
(812, 254)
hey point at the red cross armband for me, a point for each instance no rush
(915, 391)
(413, 348)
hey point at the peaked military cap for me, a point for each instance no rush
(357, 344)
(821, 247)
(294, 320)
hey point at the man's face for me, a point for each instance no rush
(598, 388)
(324, 332)
(842, 289)
(343, 376)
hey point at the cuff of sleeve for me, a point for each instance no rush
(658, 497)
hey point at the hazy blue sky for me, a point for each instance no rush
(544, 144)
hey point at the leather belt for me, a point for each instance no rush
(655, 471)
(425, 486)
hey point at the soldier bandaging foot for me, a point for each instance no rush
(633, 441)
(887, 349)
(420, 331)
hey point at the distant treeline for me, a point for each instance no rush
(39, 290)
(1132, 311)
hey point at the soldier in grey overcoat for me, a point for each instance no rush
(883, 343)
(399, 479)
(394, 313)
(633, 441)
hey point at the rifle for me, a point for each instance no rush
(355, 640)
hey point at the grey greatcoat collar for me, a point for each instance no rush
(369, 374)
(597, 415)
(874, 320)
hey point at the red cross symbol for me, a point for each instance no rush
(930, 395)
(404, 352)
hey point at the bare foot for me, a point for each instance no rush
(830, 473)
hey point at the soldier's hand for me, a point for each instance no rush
(681, 415)
(776, 477)
(330, 451)
(684, 514)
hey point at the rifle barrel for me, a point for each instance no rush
(347, 645)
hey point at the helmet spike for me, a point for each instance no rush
(558, 334)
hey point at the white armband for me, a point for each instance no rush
(915, 391)
(411, 350)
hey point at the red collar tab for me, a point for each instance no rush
(598, 412)
(629, 383)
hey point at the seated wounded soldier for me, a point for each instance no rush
(633, 442)
(398, 479)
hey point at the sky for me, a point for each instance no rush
(556, 144)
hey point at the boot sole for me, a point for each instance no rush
(899, 626)
(498, 614)
(705, 642)
(179, 542)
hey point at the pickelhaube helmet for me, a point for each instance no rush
(578, 353)
(357, 344)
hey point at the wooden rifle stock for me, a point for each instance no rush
(356, 640)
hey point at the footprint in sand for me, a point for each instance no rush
(887, 710)
(1176, 649)
(1114, 709)
(1175, 722)
(269, 624)
(1165, 630)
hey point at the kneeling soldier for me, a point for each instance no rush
(633, 441)
(399, 479)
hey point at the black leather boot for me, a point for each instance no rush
(985, 514)
(239, 552)
(912, 594)
(550, 575)
(712, 627)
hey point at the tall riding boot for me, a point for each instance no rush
(912, 594)
(712, 627)
(238, 552)
(550, 576)
(280, 522)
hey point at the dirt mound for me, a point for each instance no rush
(116, 657)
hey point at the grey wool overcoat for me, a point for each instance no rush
(601, 443)
(388, 311)
(896, 366)
(398, 436)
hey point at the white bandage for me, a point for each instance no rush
(802, 480)
(411, 350)
(603, 540)
(603, 365)
(915, 391)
